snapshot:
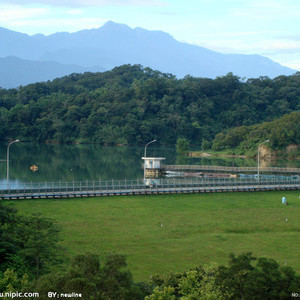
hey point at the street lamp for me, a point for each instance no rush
(267, 141)
(145, 155)
(7, 160)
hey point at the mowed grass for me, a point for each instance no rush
(164, 233)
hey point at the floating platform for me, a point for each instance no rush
(238, 170)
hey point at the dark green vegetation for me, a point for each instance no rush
(241, 279)
(28, 248)
(88, 279)
(182, 145)
(245, 277)
(167, 235)
(28, 244)
(87, 276)
(281, 132)
(131, 105)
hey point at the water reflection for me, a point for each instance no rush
(76, 162)
(94, 162)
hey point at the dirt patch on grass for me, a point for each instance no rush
(292, 148)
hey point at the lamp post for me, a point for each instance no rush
(145, 155)
(7, 160)
(267, 141)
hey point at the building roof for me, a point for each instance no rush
(154, 158)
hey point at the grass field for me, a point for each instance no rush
(166, 233)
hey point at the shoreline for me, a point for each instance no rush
(206, 154)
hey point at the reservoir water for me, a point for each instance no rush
(94, 162)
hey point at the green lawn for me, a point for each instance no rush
(166, 233)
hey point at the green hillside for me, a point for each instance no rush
(132, 105)
(281, 133)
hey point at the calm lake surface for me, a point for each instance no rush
(94, 162)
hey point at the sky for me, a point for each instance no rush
(267, 27)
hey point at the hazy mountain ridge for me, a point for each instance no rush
(116, 44)
(15, 71)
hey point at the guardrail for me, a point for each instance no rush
(149, 186)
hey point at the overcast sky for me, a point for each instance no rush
(266, 27)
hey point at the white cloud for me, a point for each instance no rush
(74, 12)
(294, 64)
(248, 43)
(85, 3)
(68, 25)
(46, 20)
(290, 37)
(281, 46)
(267, 10)
(11, 13)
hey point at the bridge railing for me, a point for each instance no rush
(139, 184)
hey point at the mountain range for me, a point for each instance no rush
(15, 71)
(27, 59)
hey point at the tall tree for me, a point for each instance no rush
(40, 247)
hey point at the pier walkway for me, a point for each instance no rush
(139, 187)
(270, 170)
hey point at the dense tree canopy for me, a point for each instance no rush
(131, 105)
(245, 277)
(88, 278)
(28, 244)
(280, 133)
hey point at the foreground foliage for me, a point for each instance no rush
(245, 277)
(241, 279)
(85, 276)
(29, 245)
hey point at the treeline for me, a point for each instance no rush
(280, 133)
(32, 261)
(132, 105)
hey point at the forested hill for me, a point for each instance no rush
(132, 105)
(281, 133)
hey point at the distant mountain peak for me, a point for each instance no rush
(111, 25)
